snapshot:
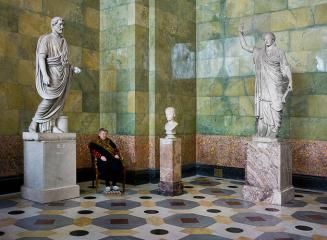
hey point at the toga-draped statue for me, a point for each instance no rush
(273, 82)
(53, 77)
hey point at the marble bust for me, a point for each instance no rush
(171, 124)
(273, 82)
(53, 78)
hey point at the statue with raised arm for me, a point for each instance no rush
(53, 77)
(273, 82)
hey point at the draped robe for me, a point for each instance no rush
(60, 74)
(112, 168)
(270, 87)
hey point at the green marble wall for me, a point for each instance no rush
(225, 73)
(174, 68)
(21, 23)
(124, 67)
(173, 71)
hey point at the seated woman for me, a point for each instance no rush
(109, 162)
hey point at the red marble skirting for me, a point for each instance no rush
(309, 156)
(11, 155)
(134, 150)
(221, 150)
(142, 152)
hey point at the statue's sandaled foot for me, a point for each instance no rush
(32, 127)
(55, 129)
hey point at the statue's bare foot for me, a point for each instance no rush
(55, 129)
(32, 127)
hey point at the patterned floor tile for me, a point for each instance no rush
(217, 191)
(233, 203)
(120, 238)
(44, 222)
(204, 237)
(57, 205)
(211, 208)
(119, 221)
(189, 220)
(4, 203)
(310, 216)
(255, 219)
(321, 200)
(118, 204)
(281, 236)
(177, 204)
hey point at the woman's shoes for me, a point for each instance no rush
(113, 189)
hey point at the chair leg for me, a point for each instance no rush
(96, 182)
(124, 180)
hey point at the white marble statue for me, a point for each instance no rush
(272, 84)
(53, 78)
(171, 124)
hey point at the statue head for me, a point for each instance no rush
(269, 38)
(57, 25)
(103, 133)
(170, 113)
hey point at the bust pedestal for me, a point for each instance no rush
(268, 172)
(49, 167)
(170, 167)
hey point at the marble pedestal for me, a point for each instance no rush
(268, 172)
(170, 167)
(49, 167)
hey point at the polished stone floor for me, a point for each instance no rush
(209, 209)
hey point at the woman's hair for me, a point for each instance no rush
(103, 130)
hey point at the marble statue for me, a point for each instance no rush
(171, 125)
(53, 78)
(272, 84)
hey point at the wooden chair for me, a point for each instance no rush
(96, 174)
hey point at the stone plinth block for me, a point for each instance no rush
(170, 167)
(268, 172)
(49, 167)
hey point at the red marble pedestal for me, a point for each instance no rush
(268, 172)
(170, 167)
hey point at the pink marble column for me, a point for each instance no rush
(170, 167)
(268, 172)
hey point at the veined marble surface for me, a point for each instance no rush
(268, 171)
(170, 166)
(49, 167)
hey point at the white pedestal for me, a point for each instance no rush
(170, 167)
(268, 172)
(49, 167)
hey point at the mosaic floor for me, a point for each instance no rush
(209, 209)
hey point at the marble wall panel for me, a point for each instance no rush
(309, 157)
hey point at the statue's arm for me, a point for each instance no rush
(46, 79)
(289, 76)
(286, 71)
(244, 45)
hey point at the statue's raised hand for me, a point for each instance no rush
(241, 28)
(77, 70)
